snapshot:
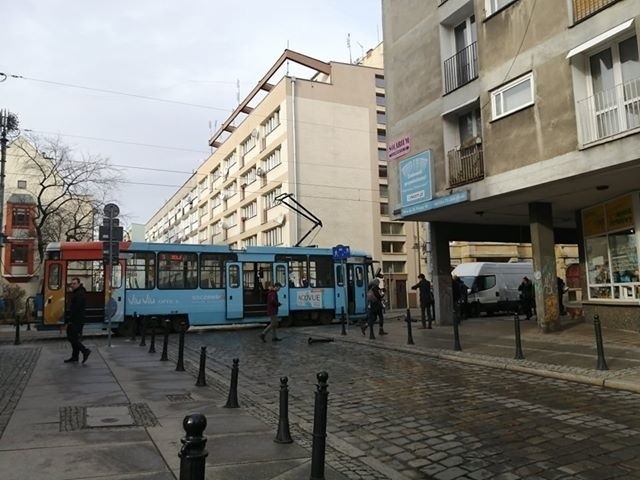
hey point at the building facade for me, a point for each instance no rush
(320, 141)
(521, 120)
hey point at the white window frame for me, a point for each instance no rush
(497, 95)
(251, 241)
(272, 237)
(269, 197)
(272, 160)
(491, 6)
(250, 210)
(272, 122)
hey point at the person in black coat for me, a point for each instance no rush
(424, 287)
(75, 321)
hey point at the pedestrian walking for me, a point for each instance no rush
(75, 321)
(424, 288)
(272, 310)
(374, 308)
(526, 296)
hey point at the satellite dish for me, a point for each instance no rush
(280, 219)
(254, 133)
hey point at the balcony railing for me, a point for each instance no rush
(466, 165)
(461, 68)
(585, 8)
(610, 112)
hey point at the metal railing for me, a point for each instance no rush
(610, 112)
(461, 68)
(466, 165)
(585, 8)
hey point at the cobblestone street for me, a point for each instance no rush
(16, 365)
(420, 417)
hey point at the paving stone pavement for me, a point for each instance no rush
(407, 415)
(16, 365)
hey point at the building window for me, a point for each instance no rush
(381, 118)
(272, 237)
(380, 100)
(390, 228)
(230, 220)
(614, 83)
(20, 217)
(585, 8)
(248, 144)
(393, 267)
(271, 161)
(392, 247)
(379, 81)
(249, 177)
(250, 211)
(611, 248)
(384, 191)
(270, 197)
(382, 135)
(382, 171)
(250, 241)
(22, 184)
(492, 6)
(513, 96)
(272, 122)
(384, 209)
(382, 154)
(19, 254)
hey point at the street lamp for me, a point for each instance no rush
(8, 124)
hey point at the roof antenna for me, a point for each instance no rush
(287, 74)
(349, 46)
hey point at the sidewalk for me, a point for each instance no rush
(120, 416)
(568, 354)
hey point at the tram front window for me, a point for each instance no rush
(89, 272)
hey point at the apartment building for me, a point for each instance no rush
(321, 140)
(518, 121)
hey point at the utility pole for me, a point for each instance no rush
(8, 123)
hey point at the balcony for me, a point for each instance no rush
(610, 112)
(585, 8)
(466, 164)
(461, 68)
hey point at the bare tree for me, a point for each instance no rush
(70, 189)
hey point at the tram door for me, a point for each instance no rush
(341, 303)
(114, 297)
(54, 292)
(281, 275)
(235, 291)
(359, 289)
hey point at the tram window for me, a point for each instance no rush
(281, 274)
(89, 272)
(212, 270)
(257, 276)
(55, 276)
(298, 275)
(141, 270)
(116, 276)
(340, 275)
(234, 276)
(359, 277)
(177, 270)
(320, 271)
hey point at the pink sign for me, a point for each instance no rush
(399, 147)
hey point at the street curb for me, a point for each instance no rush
(607, 380)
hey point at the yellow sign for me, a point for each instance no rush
(593, 221)
(619, 213)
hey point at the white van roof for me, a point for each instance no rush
(480, 268)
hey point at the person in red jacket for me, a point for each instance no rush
(272, 310)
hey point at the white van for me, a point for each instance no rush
(493, 286)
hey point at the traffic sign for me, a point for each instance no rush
(114, 234)
(111, 210)
(341, 252)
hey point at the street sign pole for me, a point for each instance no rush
(110, 267)
(344, 287)
(111, 211)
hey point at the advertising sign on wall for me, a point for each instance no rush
(309, 298)
(399, 147)
(415, 179)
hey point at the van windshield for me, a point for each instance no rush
(480, 283)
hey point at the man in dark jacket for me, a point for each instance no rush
(75, 321)
(526, 296)
(424, 287)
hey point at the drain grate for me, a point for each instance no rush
(180, 397)
(121, 415)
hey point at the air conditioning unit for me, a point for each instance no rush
(255, 133)
(260, 172)
(280, 219)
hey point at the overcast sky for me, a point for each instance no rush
(193, 51)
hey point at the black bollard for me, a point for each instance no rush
(17, 339)
(319, 428)
(143, 327)
(516, 326)
(343, 321)
(284, 435)
(409, 331)
(202, 381)
(232, 399)
(136, 322)
(154, 323)
(165, 342)
(180, 364)
(602, 363)
(456, 333)
(193, 453)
